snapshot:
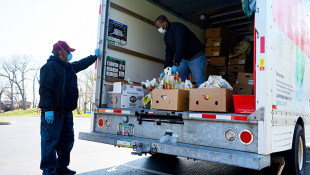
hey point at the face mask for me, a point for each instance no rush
(162, 31)
(69, 58)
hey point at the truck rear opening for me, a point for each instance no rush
(267, 116)
(227, 17)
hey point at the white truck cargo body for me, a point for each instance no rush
(279, 126)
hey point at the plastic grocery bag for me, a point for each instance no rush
(216, 82)
(243, 46)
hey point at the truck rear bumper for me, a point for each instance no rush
(230, 157)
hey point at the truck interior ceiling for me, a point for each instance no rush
(210, 13)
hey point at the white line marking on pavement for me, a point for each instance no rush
(308, 161)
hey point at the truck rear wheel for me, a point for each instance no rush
(296, 157)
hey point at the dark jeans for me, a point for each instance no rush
(56, 138)
(196, 67)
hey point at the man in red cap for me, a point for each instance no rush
(58, 98)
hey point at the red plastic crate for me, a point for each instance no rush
(244, 104)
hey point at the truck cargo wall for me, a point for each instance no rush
(286, 64)
(143, 37)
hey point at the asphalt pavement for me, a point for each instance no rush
(20, 154)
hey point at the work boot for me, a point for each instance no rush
(49, 172)
(65, 171)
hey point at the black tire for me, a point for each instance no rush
(292, 165)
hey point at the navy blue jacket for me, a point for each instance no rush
(58, 83)
(181, 43)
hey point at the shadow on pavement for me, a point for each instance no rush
(176, 165)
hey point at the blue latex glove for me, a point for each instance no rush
(162, 74)
(49, 117)
(97, 52)
(174, 69)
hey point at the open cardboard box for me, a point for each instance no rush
(170, 99)
(211, 100)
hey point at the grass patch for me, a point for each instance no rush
(3, 120)
(82, 114)
(36, 112)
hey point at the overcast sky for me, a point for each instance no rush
(32, 27)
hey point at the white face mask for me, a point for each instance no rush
(162, 31)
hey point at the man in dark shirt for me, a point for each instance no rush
(58, 98)
(184, 51)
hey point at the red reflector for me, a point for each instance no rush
(262, 44)
(101, 122)
(242, 118)
(208, 116)
(246, 137)
(117, 111)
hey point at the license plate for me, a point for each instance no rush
(126, 129)
(123, 143)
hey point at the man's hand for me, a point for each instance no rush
(162, 74)
(49, 117)
(174, 69)
(97, 52)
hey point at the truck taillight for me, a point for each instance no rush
(100, 122)
(246, 137)
(231, 135)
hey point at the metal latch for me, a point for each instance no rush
(141, 148)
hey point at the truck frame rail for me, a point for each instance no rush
(143, 146)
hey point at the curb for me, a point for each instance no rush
(7, 123)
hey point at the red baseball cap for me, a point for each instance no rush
(62, 45)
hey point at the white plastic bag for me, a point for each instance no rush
(216, 82)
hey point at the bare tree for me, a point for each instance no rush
(9, 72)
(35, 78)
(86, 82)
(2, 89)
(15, 70)
(23, 70)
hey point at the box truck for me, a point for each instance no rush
(277, 130)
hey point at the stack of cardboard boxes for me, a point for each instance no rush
(236, 65)
(244, 84)
(217, 48)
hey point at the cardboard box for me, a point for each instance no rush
(237, 60)
(217, 32)
(232, 79)
(213, 51)
(214, 42)
(234, 69)
(243, 89)
(218, 61)
(211, 100)
(170, 99)
(210, 70)
(245, 78)
(125, 96)
(222, 70)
